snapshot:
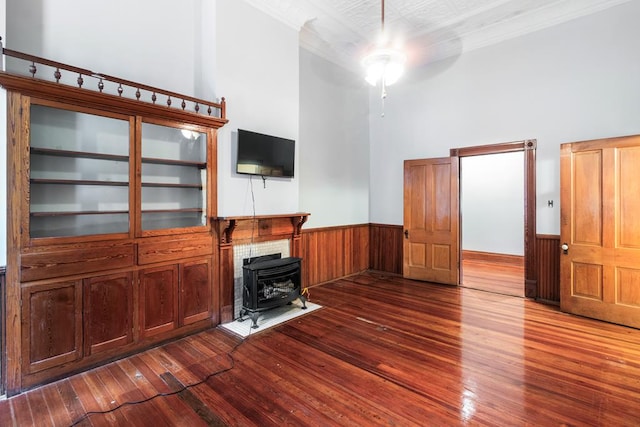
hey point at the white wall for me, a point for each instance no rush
(149, 42)
(575, 81)
(334, 149)
(492, 203)
(257, 71)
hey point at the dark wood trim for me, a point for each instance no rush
(112, 103)
(479, 150)
(530, 265)
(3, 332)
(548, 236)
(517, 260)
(393, 226)
(84, 73)
(548, 257)
(334, 227)
(16, 104)
(529, 148)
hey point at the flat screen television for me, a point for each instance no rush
(264, 155)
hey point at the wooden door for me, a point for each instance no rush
(431, 220)
(195, 292)
(158, 300)
(108, 312)
(52, 325)
(600, 226)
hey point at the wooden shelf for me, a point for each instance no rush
(78, 154)
(70, 213)
(199, 165)
(78, 182)
(163, 185)
(172, 210)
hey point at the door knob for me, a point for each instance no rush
(565, 248)
(406, 234)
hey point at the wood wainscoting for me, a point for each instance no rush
(385, 249)
(329, 253)
(333, 252)
(548, 262)
(3, 337)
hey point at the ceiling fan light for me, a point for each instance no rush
(374, 72)
(384, 64)
(393, 72)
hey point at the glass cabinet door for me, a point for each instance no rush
(173, 177)
(79, 173)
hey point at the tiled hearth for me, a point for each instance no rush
(242, 251)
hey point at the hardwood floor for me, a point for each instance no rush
(501, 278)
(382, 351)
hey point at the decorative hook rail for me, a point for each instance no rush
(187, 103)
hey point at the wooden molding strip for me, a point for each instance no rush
(493, 257)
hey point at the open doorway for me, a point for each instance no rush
(492, 222)
(528, 212)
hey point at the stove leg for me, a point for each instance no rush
(254, 318)
(303, 300)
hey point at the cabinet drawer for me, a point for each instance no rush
(79, 260)
(155, 250)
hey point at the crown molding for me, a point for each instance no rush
(290, 12)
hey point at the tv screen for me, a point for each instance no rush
(264, 155)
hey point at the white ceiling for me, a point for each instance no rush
(342, 30)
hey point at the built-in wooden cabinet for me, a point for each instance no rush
(51, 325)
(108, 312)
(195, 292)
(78, 171)
(158, 300)
(173, 178)
(110, 239)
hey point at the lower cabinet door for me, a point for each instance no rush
(158, 300)
(195, 291)
(51, 325)
(108, 312)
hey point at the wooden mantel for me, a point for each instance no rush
(259, 227)
(232, 230)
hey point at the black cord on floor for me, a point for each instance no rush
(171, 393)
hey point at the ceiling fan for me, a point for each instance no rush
(384, 64)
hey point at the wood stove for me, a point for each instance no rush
(268, 282)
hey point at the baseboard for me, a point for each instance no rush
(517, 260)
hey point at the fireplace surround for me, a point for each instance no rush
(234, 231)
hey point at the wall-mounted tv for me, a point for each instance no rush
(264, 155)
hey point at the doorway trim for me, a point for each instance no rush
(529, 148)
